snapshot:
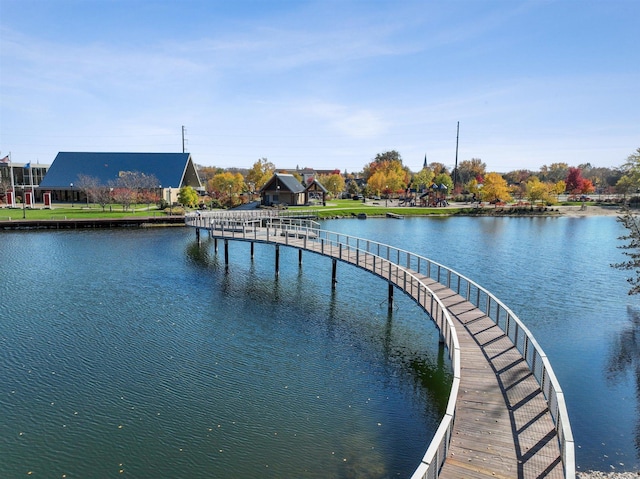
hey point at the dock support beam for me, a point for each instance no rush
(390, 300)
(334, 268)
(277, 260)
(226, 255)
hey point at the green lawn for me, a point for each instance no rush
(81, 212)
(351, 207)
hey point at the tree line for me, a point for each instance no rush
(386, 175)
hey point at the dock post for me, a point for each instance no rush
(277, 260)
(198, 235)
(334, 267)
(215, 245)
(390, 301)
(252, 244)
(226, 255)
(299, 257)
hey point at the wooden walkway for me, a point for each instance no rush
(503, 427)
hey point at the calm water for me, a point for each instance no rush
(133, 351)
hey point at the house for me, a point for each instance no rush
(283, 189)
(168, 171)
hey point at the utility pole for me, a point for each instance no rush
(455, 169)
(184, 130)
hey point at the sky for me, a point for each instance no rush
(323, 84)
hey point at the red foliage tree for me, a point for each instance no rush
(575, 181)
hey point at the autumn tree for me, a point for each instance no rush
(207, 172)
(473, 187)
(471, 169)
(334, 183)
(226, 185)
(422, 179)
(387, 162)
(187, 196)
(386, 173)
(554, 172)
(377, 183)
(495, 188)
(543, 192)
(261, 171)
(129, 186)
(438, 168)
(574, 181)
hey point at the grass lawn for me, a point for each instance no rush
(81, 212)
(351, 207)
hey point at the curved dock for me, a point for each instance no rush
(506, 416)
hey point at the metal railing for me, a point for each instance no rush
(405, 269)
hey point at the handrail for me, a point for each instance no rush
(409, 266)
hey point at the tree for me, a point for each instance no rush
(261, 171)
(334, 183)
(377, 183)
(536, 190)
(390, 165)
(473, 187)
(352, 188)
(422, 179)
(227, 185)
(89, 185)
(553, 173)
(207, 172)
(438, 168)
(630, 180)
(129, 186)
(632, 249)
(495, 188)
(471, 169)
(187, 196)
(574, 181)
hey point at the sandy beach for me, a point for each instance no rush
(588, 210)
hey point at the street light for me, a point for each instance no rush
(170, 203)
(72, 195)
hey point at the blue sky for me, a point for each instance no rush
(323, 84)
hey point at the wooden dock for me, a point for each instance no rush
(503, 426)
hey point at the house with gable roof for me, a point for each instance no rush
(171, 170)
(282, 189)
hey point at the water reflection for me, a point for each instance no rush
(624, 357)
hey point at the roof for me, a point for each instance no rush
(171, 169)
(287, 180)
(316, 185)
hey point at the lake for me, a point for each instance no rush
(133, 351)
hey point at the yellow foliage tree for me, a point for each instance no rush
(495, 188)
(334, 183)
(261, 171)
